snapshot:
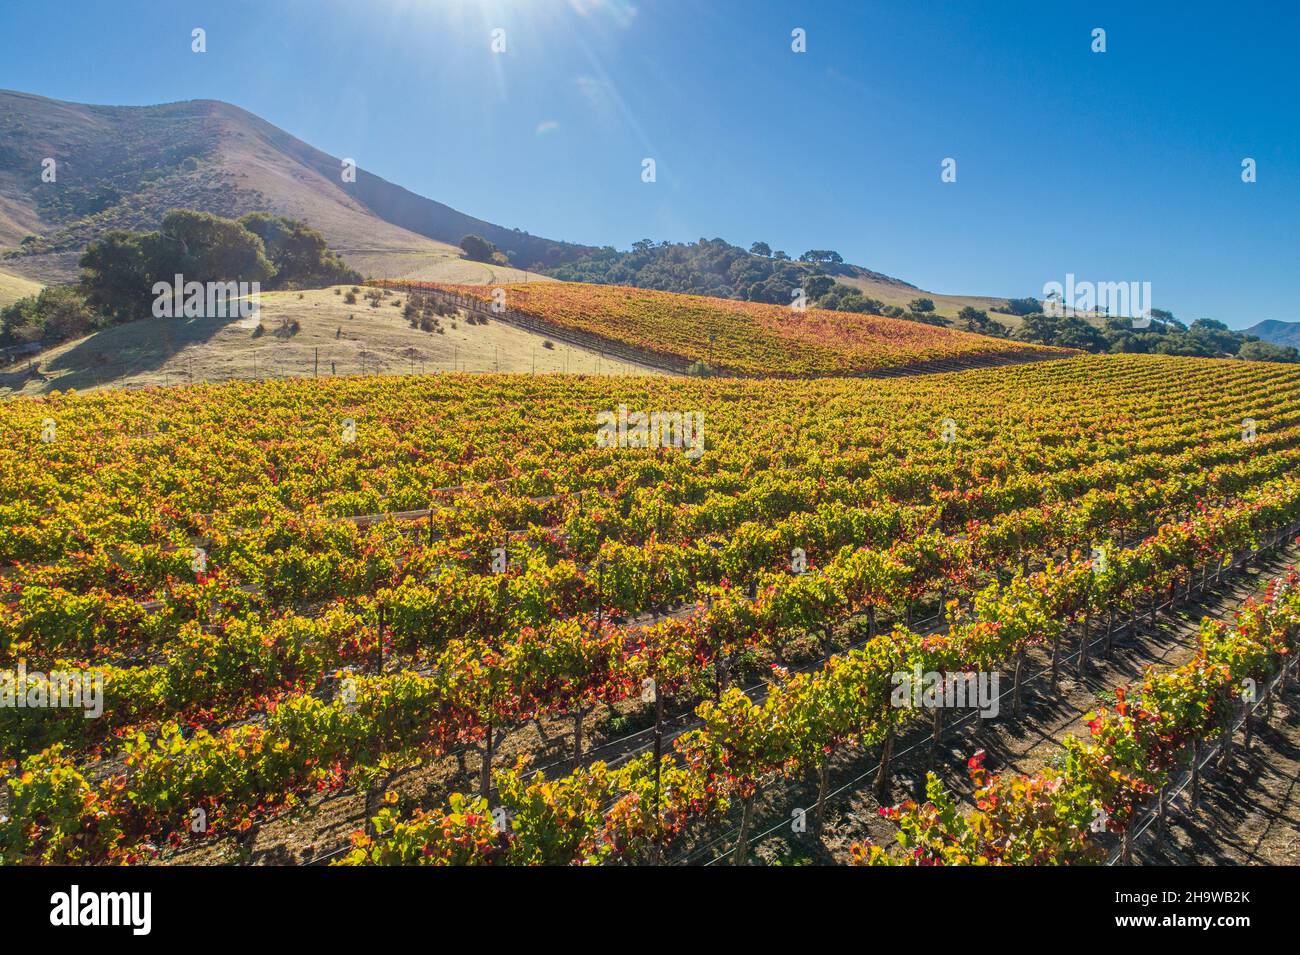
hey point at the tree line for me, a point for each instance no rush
(707, 267)
(718, 268)
(119, 271)
(1161, 334)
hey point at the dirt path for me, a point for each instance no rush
(1248, 816)
(1027, 744)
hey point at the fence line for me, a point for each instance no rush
(120, 373)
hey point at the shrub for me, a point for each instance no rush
(55, 314)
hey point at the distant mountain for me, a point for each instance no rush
(1277, 332)
(125, 166)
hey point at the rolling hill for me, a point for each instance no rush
(742, 338)
(123, 167)
(297, 334)
(721, 269)
(548, 327)
(896, 292)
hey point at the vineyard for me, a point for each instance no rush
(448, 603)
(739, 338)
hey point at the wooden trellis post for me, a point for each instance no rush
(882, 776)
(1196, 774)
(1015, 693)
(1083, 645)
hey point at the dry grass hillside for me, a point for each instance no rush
(332, 337)
(436, 263)
(14, 287)
(900, 293)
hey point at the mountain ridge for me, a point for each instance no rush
(1277, 332)
(124, 166)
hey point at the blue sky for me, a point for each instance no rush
(1115, 166)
